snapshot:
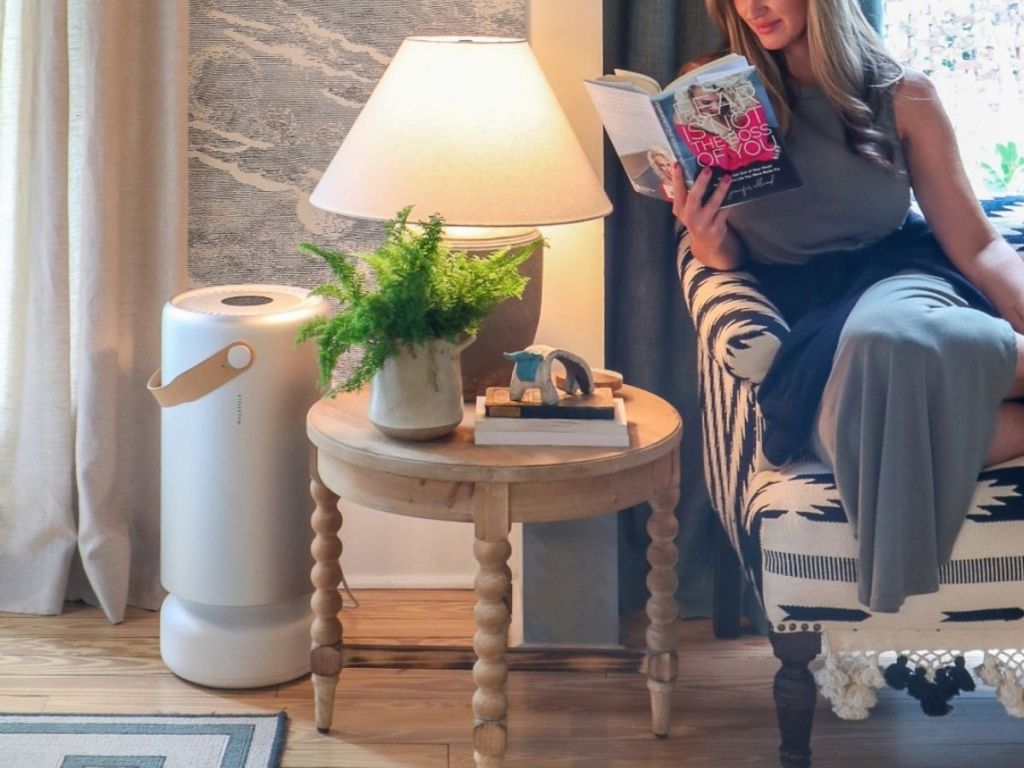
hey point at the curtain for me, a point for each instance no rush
(93, 241)
(874, 11)
(648, 335)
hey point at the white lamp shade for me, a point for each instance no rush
(468, 128)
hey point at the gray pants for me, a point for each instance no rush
(906, 419)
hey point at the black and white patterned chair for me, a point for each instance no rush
(790, 533)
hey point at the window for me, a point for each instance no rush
(972, 51)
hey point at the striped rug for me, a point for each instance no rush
(147, 741)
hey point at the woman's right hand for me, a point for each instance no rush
(711, 240)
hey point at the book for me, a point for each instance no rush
(612, 433)
(716, 116)
(498, 403)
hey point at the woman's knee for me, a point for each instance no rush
(903, 338)
(946, 335)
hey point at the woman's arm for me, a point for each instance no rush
(944, 194)
(712, 242)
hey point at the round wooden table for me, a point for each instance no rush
(493, 487)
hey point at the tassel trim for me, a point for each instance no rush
(1002, 670)
(934, 678)
(849, 683)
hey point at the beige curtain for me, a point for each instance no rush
(93, 241)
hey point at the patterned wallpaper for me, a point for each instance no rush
(274, 87)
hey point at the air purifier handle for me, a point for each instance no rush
(203, 377)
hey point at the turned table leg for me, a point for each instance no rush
(326, 633)
(492, 549)
(662, 610)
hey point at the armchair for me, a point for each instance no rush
(790, 535)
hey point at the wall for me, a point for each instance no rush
(275, 85)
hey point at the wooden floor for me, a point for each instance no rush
(416, 718)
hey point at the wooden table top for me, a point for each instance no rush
(340, 428)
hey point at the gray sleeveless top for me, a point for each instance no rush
(846, 201)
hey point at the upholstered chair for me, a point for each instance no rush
(790, 535)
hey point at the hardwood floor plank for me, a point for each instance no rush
(27, 703)
(418, 717)
(78, 620)
(306, 748)
(120, 664)
(80, 646)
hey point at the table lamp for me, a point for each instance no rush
(468, 127)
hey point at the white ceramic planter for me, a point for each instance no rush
(417, 395)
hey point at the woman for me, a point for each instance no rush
(661, 161)
(905, 362)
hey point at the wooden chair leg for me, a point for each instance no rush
(795, 695)
(728, 588)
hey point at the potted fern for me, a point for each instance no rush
(421, 306)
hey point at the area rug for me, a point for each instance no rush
(143, 741)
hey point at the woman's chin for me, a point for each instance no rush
(773, 42)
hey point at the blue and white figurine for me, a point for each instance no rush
(533, 370)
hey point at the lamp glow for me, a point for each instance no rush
(468, 128)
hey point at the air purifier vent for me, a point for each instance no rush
(249, 300)
(245, 300)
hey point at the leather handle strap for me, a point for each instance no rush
(203, 377)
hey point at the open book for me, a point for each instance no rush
(716, 116)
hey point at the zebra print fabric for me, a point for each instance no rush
(978, 570)
(740, 328)
(787, 524)
(738, 332)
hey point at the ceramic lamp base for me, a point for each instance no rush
(513, 324)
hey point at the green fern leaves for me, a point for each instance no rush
(1002, 176)
(420, 290)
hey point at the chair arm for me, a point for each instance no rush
(736, 324)
(738, 333)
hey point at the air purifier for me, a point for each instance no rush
(234, 390)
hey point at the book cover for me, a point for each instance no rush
(498, 403)
(612, 433)
(718, 116)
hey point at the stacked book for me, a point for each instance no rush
(597, 419)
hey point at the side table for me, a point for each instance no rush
(493, 487)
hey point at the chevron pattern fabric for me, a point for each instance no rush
(787, 524)
(803, 557)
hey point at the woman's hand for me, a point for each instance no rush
(712, 242)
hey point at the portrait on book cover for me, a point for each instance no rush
(724, 125)
(650, 171)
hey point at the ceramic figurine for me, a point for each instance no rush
(533, 370)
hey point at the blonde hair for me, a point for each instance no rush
(654, 154)
(847, 59)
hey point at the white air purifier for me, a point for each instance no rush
(235, 505)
